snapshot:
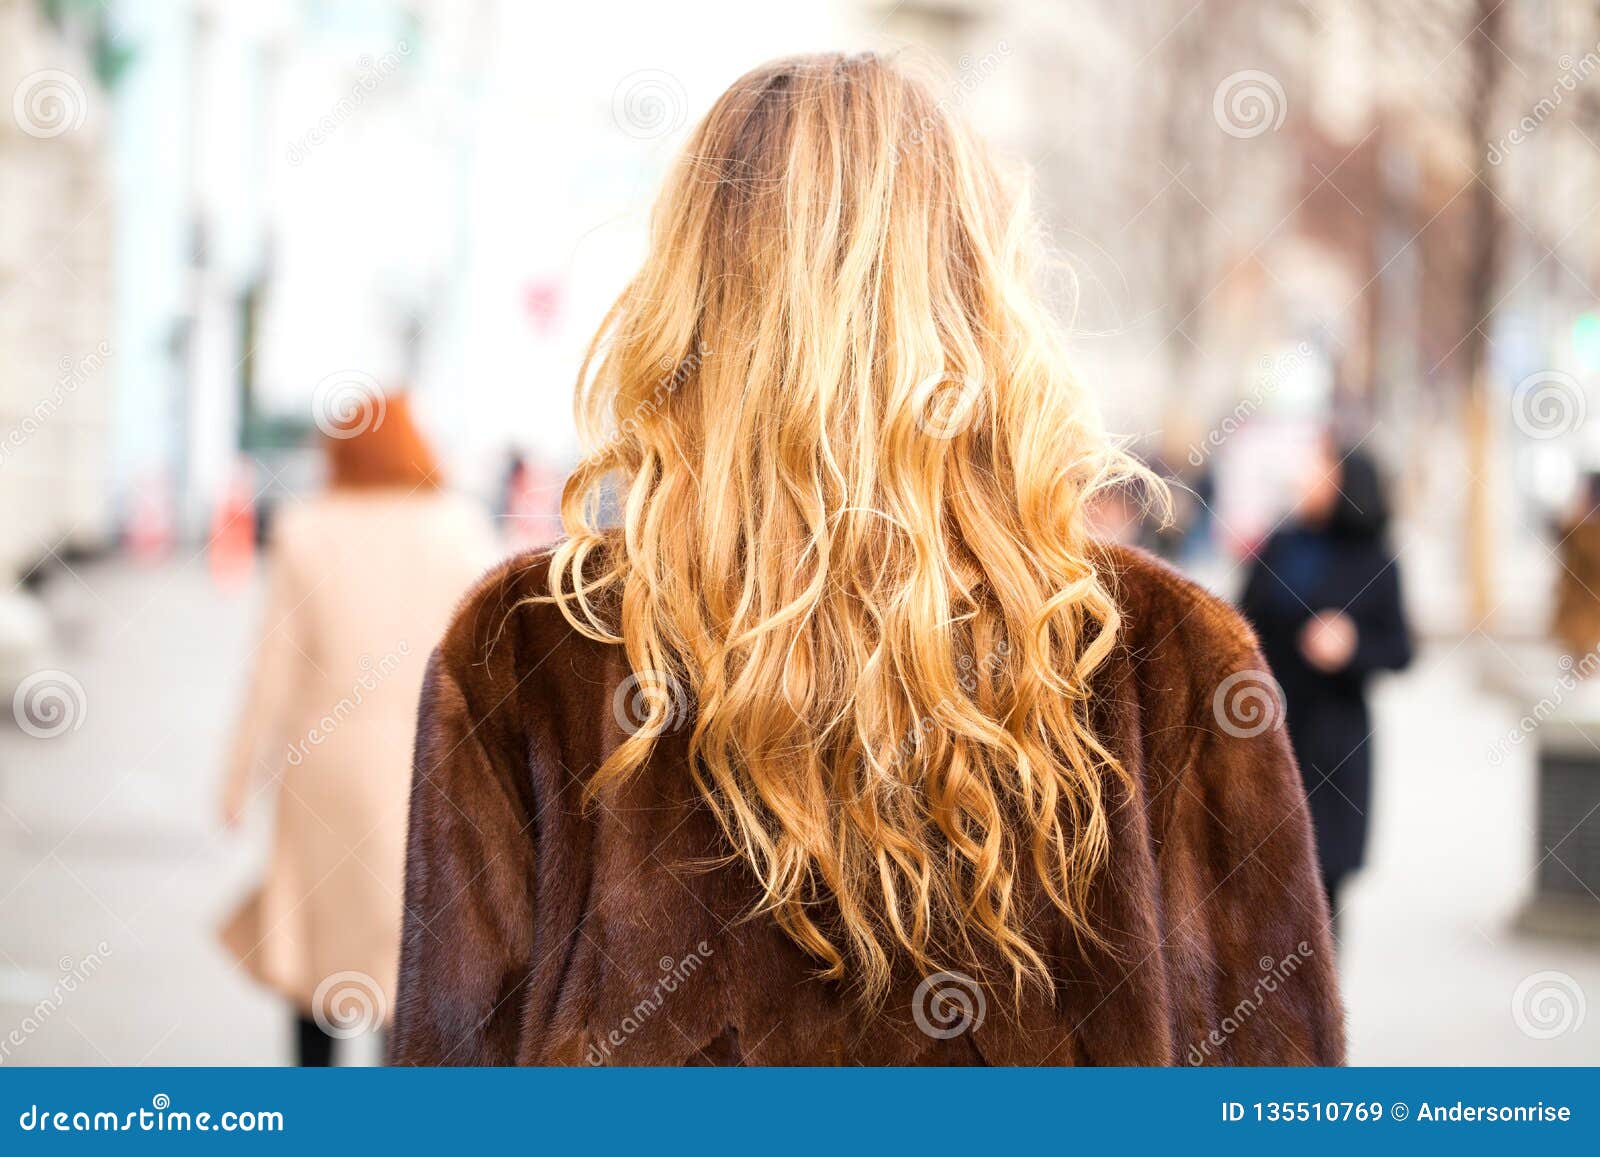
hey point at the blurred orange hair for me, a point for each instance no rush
(388, 450)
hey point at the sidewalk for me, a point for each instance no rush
(1431, 964)
(111, 861)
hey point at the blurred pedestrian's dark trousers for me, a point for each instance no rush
(315, 1046)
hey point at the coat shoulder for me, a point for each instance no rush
(1170, 619)
(507, 624)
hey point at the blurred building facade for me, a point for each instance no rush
(57, 370)
(56, 268)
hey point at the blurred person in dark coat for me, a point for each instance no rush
(1324, 596)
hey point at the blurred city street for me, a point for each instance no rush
(330, 269)
(110, 834)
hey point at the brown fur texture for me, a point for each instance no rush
(541, 931)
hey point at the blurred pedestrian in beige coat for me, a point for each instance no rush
(363, 580)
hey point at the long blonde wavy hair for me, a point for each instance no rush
(852, 468)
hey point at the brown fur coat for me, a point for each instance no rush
(539, 932)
